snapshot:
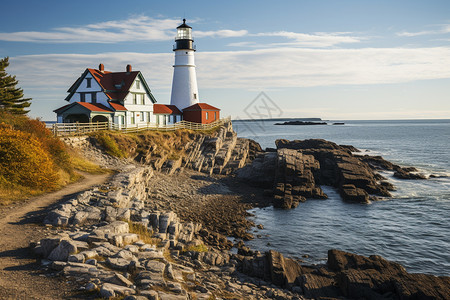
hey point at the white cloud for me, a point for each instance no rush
(225, 33)
(443, 29)
(47, 77)
(253, 69)
(135, 28)
(319, 39)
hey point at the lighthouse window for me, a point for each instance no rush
(195, 96)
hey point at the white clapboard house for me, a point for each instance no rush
(121, 98)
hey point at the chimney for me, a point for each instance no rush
(101, 67)
(129, 68)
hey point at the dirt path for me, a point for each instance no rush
(21, 223)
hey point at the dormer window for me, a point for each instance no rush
(88, 82)
(138, 84)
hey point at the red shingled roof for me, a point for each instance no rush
(109, 80)
(117, 106)
(201, 106)
(94, 107)
(91, 106)
(166, 109)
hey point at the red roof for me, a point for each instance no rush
(117, 106)
(94, 106)
(166, 109)
(115, 84)
(91, 106)
(201, 106)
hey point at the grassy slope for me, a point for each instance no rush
(32, 161)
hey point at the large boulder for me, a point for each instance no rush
(283, 271)
(63, 250)
(373, 277)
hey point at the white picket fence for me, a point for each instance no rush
(74, 129)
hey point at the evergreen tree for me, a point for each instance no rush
(11, 97)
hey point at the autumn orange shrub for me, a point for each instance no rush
(24, 160)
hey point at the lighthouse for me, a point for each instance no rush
(184, 83)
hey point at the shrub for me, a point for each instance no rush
(109, 144)
(24, 161)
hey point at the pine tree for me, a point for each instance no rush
(11, 97)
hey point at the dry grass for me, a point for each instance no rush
(198, 248)
(144, 234)
(82, 164)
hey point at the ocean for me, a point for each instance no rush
(411, 228)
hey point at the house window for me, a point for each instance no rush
(82, 97)
(142, 99)
(135, 98)
(138, 84)
(206, 115)
(94, 97)
(148, 117)
(132, 118)
(88, 82)
(142, 116)
(215, 115)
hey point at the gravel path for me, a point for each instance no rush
(20, 224)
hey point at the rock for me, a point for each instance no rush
(166, 296)
(317, 287)
(350, 193)
(119, 279)
(373, 277)
(48, 244)
(79, 258)
(110, 290)
(118, 263)
(151, 294)
(90, 287)
(283, 271)
(63, 250)
(113, 228)
(155, 266)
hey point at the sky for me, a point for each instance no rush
(336, 60)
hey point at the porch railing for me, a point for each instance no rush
(74, 129)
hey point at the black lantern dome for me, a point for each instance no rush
(183, 40)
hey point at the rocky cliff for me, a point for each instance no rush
(296, 169)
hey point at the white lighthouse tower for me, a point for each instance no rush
(184, 84)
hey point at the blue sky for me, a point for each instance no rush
(330, 59)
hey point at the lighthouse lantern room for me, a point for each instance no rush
(184, 84)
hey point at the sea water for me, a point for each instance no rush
(411, 228)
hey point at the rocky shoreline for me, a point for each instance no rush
(158, 229)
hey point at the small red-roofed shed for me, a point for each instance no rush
(201, 113)
(166, 114)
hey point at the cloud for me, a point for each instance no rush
(135, 28)
(251, 69)
(47, 77)
(319, 39)
(225, 33)
(444, 29)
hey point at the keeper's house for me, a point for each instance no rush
(122, 98)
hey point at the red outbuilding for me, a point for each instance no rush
(201, 113)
